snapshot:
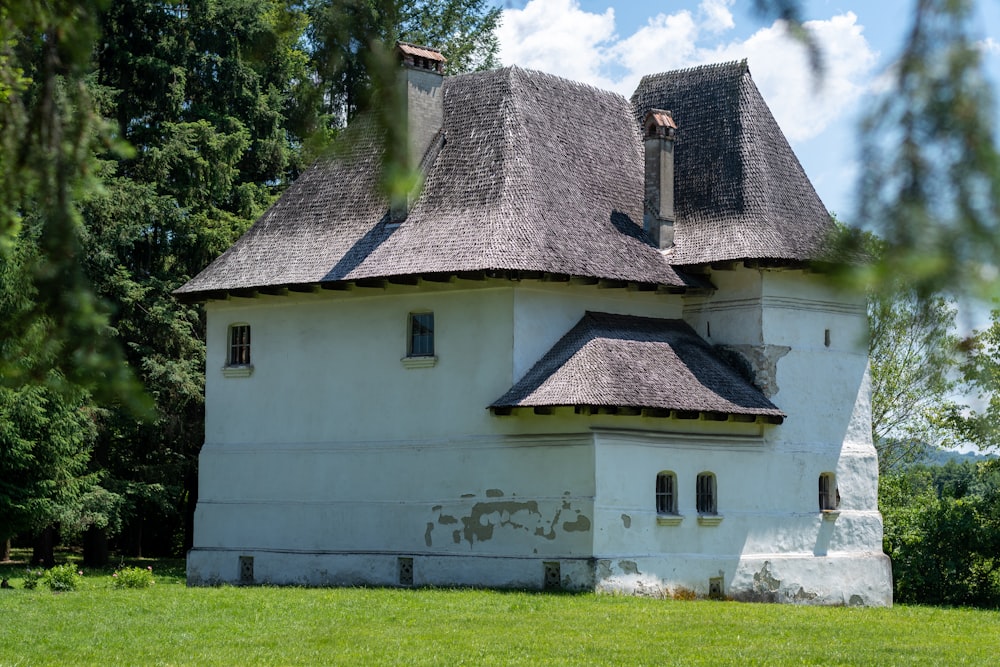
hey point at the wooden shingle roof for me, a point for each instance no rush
(740, 192)
(623, 361)
(536, 174)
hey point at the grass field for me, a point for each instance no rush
(170, 624)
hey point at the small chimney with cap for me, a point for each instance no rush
(658, 130)
(422, 79)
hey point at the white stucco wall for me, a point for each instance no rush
(333, 460)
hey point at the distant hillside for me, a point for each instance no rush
(939, 457)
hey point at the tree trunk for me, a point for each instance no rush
(95, 547)
(43, 549)
(5, 550)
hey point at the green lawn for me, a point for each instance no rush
(170, 624)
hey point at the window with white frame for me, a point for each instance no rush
(705, 494)
(666, 493)
(421, 342)
(829, 496)
(239, 345)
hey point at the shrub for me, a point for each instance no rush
(32, 577)
(61, 577)
(132, 577)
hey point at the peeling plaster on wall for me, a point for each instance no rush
(763, 360)
(764, 581)
(804, 596)
(485, 516)
(628, 567)
(427, 534)
(479, 524)
(603, 569)
(582, 524)
(626, 520)
(856, 601)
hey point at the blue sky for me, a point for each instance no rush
(612, 43)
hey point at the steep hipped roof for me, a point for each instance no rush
(624, 361)
(740, 192)
(536, 173)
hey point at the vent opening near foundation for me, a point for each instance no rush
(246, 569)
(715, 588)
(553, 577)
(405, 571)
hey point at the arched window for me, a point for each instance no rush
(705, 498)
(666, 493)
(829, 496)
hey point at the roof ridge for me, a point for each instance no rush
(741, 64)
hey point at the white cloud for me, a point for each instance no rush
(989, 46)
(557, 36)
(717, 17)
(803, 105)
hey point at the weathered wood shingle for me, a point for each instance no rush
(536, 173)
(636, 362)
(740, 191)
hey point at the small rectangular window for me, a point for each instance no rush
(829, 496)
(666, 494)
(706, 500)
(421, 335)
(239, 345)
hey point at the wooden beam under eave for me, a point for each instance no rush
(605, 283)
(338, 286)
(371, 283)
(502, 411)
(555, 278)
(274, 291)
(308, 288)
(438, 277)
(583, 280)
(244, 293)
(403, 280)
(745, 419)
(477, 276)
(725, 266)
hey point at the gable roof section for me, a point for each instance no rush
(624, 361)
(740, 192)
(536, 174)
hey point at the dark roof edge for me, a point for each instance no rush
(695, 283)
(501, 410)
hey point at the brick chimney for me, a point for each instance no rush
(422, 78)
(658, 130)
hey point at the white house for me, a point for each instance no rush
(592, 354)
